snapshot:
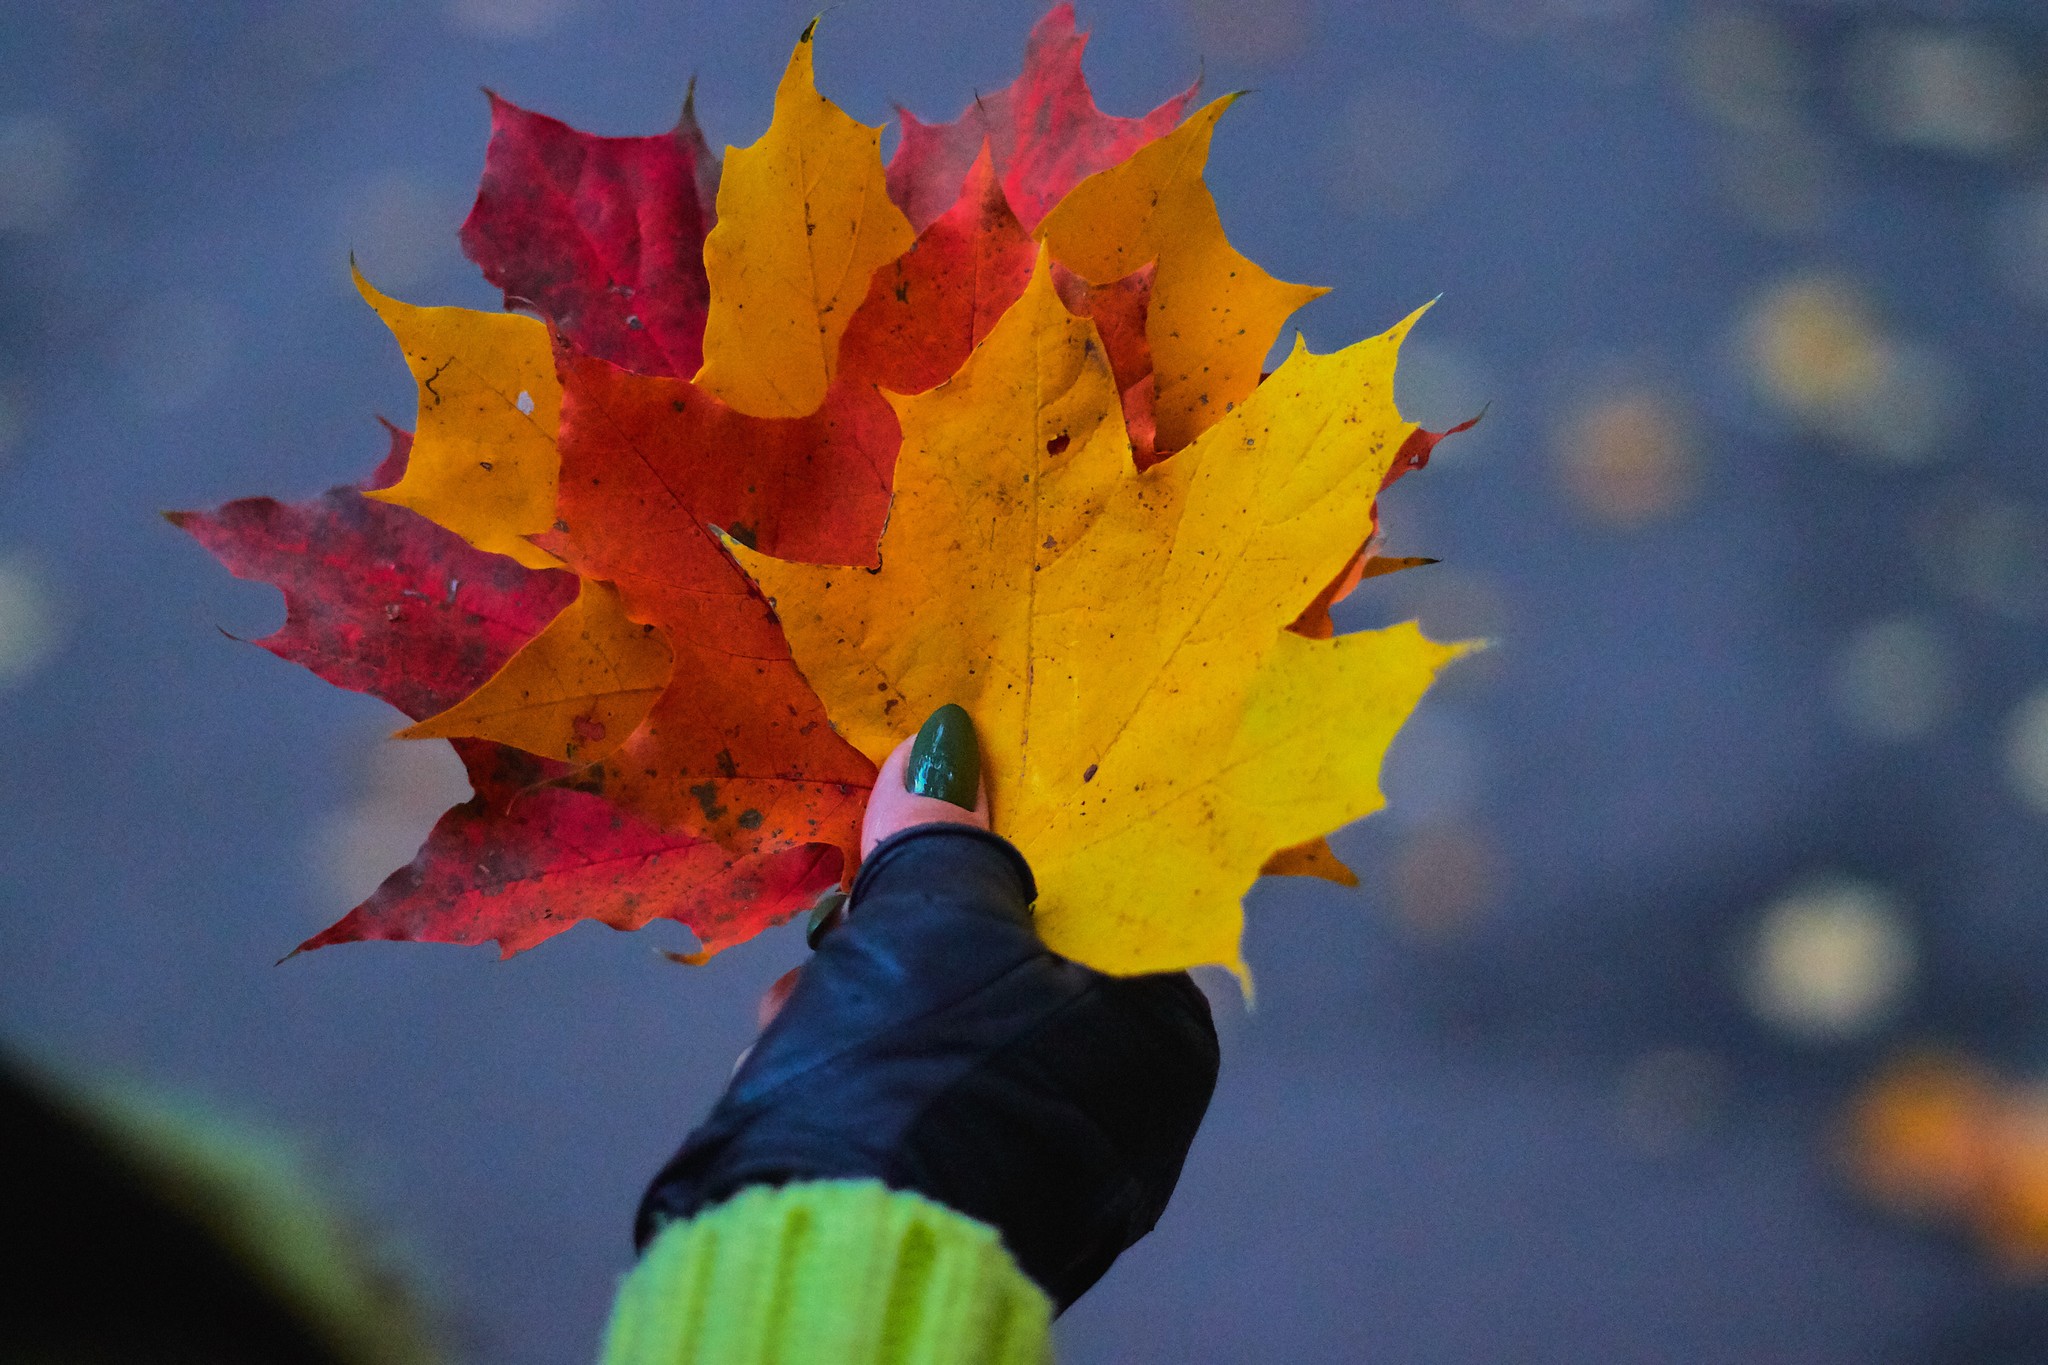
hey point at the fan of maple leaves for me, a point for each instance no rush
(812, 360)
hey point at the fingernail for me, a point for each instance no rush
(826, 915)
(945, 760)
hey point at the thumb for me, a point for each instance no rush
(932, 778)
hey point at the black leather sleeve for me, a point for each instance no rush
(933, 1043)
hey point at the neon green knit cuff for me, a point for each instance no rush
(830, 1272)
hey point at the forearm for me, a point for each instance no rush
(828, 1273)
(945, 1136)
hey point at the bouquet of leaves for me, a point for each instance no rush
(765, 462)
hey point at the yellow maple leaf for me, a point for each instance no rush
(1214, 312)
(1151, 731)
(573, 692)
(483, 459)
(804, 218)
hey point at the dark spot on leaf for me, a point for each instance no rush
(726, 767)
(1058, 444)
(751, 819)
(707, 800)
(1089, 776)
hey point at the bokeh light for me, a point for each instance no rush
(1626, 458)
(1817, 350)
(1916, 1132)
(2026, 749)
(1436, 768)
(405, 786)
(1442, 878)
(40, 166)
(1943, 1137)
(1894, 679)
(1943, 89)
(1912, 413)
(1989, 550)
(510, 20)
(1830, 960)
(1814, 344)
(29, 626)
(395, 224)
(2014, 1213)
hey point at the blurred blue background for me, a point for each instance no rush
(1751, 793)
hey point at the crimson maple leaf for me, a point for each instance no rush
(381, 601)
(1044, 131)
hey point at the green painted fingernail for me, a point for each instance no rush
(826, 915)
(945, 760)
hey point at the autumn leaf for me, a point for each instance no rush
(1044, 132)
(378, 600)
(1313, 859)
(484, 466)
(1119, 311)
(518, 872)
(1152, 732)
(381, 601)
(804, 220)
(601, 236)
(927, 309)
(930, 307)
(574, 692)
(738, 749)
(1214, 314)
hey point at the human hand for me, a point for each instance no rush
(926, 780)
(935, 1044)
(934, 777)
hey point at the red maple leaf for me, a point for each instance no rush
(381, 601)
(601, 236)
(738, 748)
(1044, 130)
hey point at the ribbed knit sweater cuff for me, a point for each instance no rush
(829, 1272)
